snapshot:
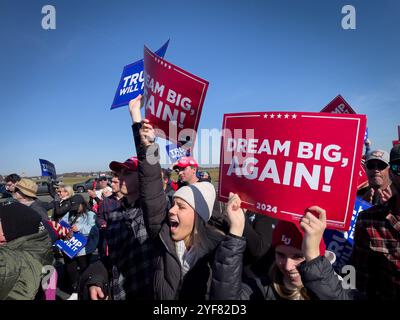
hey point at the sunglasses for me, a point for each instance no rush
(395, 168)
(376, 165)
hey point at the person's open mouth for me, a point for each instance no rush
(293, 276)
(174, 224)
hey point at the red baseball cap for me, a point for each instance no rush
(130, 164)
(288, 234)
(185, 162)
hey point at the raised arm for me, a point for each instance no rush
(152, 196)
(228, 263)
(316, 272)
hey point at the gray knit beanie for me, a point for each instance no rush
(200, 196)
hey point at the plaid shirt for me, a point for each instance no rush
(106, 206)
(131, 254)
(376, 252)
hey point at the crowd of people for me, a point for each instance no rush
(151, 238)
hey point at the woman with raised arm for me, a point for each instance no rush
(300, 270)
(184, 242)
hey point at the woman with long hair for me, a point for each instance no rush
(82, 220)
(184, 242)
(285, 279)
(300, 270)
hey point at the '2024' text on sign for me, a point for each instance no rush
(280, 163)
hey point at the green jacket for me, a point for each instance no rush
(21, 263)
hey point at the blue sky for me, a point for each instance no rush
(57, 86)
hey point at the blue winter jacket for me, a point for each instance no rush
(86, 224)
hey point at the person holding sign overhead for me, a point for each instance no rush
(183, 240)
(300, 270)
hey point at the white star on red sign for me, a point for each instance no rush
(294, 116)
(279, 116)
(272, 116)
(286, 116)
(265, 116)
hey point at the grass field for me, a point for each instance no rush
(71, 180)
(214, 172)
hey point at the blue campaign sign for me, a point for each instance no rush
(341, 243)
(131, 83)
(366, 134)
(175, 152)
(48, 168)
(72, 246)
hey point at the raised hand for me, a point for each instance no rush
(369, 195)
(147, 134)
(106, 193)
(313, 224)
(384, 195)
(134, 109)
(92, 194)
(235, 215)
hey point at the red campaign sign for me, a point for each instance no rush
(362, 176)
(338, 105)
(281, 163)
(173, 99)
(395, 142)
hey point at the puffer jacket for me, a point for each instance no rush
(169, 283)
(21, 263)
(317, 275)
(323, 283)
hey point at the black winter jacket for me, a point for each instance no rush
(60, 208)
(258, 230)
(168, 281)
(169, 195)
(317, 276)
(94, 275)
